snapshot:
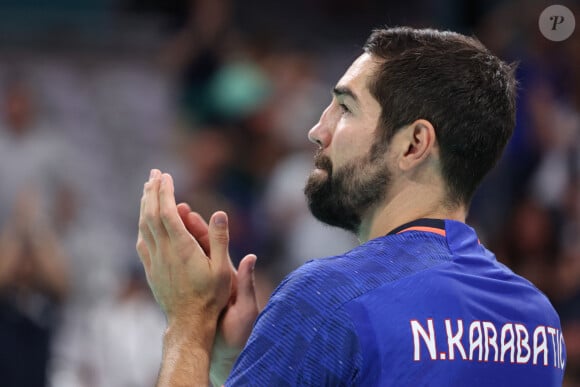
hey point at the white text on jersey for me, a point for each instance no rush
(484, 341)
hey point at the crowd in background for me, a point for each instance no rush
(221, 94)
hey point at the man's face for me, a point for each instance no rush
(350, 175)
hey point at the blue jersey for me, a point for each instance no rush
(426, 305)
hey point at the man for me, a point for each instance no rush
(34, 284)
(414, 125)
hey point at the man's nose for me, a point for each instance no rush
(320, 133)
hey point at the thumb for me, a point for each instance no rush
(246, 287)
(219, 238)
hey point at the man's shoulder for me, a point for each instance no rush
(318, 285)
(328, 283)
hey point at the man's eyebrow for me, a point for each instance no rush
(340, 91)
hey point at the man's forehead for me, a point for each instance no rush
(357, 75)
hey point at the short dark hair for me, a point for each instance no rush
(458, 85)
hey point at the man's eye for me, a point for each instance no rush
(344, 108)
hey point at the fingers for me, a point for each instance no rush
(219, 239)
(145, 241)
(183, 209)
(168, 208)
(161, 220)
(151, 229)
(246, 291)
(151, 211)
(144, 253)
(200, 229)
(196, 225)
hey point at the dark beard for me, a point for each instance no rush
(342, 198)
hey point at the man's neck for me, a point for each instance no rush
(405, 207)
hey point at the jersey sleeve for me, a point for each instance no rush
(298, 340)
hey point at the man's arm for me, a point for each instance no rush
(186, 356)
(191, 287)
(47, 252)
(28, 229)
(10, 251)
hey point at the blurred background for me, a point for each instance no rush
(221, 93)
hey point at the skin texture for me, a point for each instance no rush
(186, 261)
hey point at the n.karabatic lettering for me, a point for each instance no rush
(485, 341)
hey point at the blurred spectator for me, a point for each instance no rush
(37, 205)
(197, 52)
(117, 341)
(33, 285)
(125, 335)
(33, 157)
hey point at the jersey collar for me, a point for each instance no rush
(436, 226)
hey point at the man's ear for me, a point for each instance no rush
(419, 141)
